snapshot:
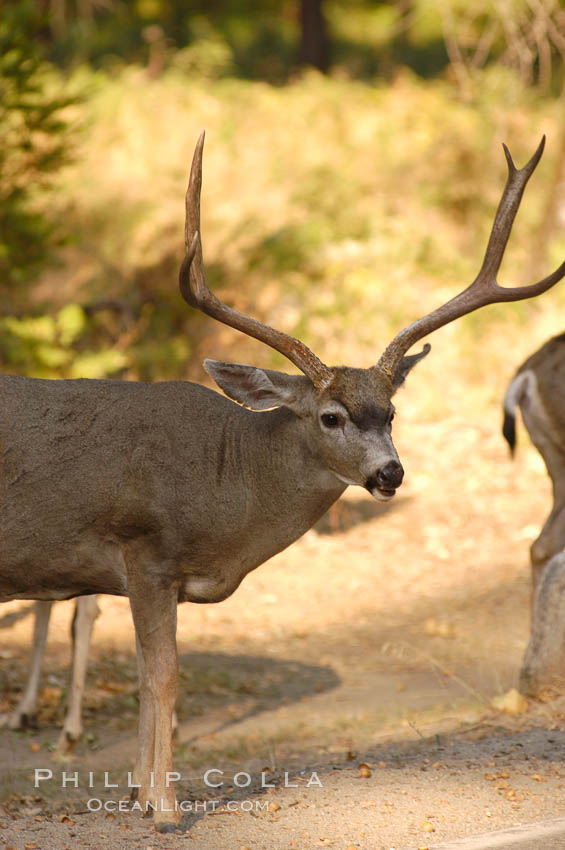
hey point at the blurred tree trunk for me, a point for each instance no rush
(314, 45)
(58, 17)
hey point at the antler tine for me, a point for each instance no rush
(484, 289)
(194, 289)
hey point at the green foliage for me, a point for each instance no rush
(258, 39)
(44, 346)
(332, 209)
(33, 146)
(208, 58)
(254, 39)
(79, 343)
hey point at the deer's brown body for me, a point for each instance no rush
(99, 468)
(538, 390)
(171, 492)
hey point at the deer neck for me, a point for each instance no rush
(285, 486)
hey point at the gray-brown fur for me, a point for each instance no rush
(543, 667)
(538, 389)
(94, 465)
(170, 492)
(550, 359)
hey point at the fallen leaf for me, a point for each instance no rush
(273, 807)
(512, 702)
(30, 813)
(50, 694)
(439, 628)
(427, 826)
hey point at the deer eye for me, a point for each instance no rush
(331, 420)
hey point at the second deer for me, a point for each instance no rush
(538, 390)
(23, 715)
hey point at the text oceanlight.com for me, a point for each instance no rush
(95, 804)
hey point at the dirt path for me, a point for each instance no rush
(382, 643)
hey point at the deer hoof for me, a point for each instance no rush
(20, 721)
(66, 744)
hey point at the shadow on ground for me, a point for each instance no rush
(347, 513)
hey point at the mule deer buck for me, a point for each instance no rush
(23, 715)
(170, 492)
(538, 389)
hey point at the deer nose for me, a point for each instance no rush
(390, 476)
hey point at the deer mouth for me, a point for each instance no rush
(376, 486)
(382, 494)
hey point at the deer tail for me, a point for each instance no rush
(515, 393)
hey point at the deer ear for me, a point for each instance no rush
(406, 364)
(259, 389)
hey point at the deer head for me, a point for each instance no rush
(348, 411)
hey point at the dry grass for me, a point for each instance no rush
(335, 210)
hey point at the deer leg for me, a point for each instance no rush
(142, 774)
(86, 612)
(23, 715)
(154, 612)
(543, 667)
(550, 541)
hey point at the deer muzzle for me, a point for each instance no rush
(387, 479)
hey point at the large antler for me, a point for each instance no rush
(485, 289)
(195, 291)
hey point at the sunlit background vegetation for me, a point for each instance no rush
(352, 167)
